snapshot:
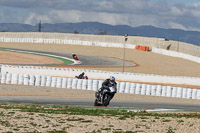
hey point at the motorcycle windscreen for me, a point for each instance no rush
(113, 89)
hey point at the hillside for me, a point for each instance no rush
(102, 29)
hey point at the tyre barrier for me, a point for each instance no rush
(84, 84)
(132, 88)
(94, 74)
(26, 79)
(14, 78)
(153, 90)
(3, 78)
(164, 91)
(64, 83)
(158, 90)
(122, 87)
(127, 87)
(8, 78)
(169, 91)
(148, 90)
(43, 80)
(184, 93)
(48, 81)
(198, 94)
(143, 89)
(93, 85)
(118, 85)
(74, 83)
(89, 87)
(59, 82)
(189, 94)
(138, 89)
(53, 81)
(69, 83)
(79, 84)
(100, 84)
(37, 80)
(21, 79)
(31, 80)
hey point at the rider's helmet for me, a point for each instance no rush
(112, 79)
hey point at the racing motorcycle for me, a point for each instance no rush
(103, 98)
(75, 57)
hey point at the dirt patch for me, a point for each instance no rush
(21, 58)
(12, 120)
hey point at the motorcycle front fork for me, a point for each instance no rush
(100, 97)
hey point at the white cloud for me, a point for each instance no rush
(174, 25)
(33, 18)
(176, 11)
(115, 12)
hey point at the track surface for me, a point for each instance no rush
(85, 60)
(95, 61)
(89, 103)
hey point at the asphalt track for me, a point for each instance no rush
(88, 102)
(85, 59)
(95, 61)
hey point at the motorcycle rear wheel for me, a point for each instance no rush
(96, 103)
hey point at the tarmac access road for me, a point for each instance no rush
(88, 102)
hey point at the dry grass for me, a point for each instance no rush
(19, 118)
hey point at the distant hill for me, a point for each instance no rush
(102, 29)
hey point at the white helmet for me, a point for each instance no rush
(112, 78)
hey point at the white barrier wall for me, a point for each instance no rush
(93, 85)
(100, 75)
(176, 54)
(67, 41)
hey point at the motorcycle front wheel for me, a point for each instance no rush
(106, 100)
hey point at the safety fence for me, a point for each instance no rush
(66, 41)
(93, 85)
(97, 74)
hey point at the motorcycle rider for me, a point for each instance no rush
(81, 76)
(107, 83)
(74, 56)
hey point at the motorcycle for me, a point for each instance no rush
(75, 57)
(103, 99)
(84, 77)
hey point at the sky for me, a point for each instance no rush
(169, 14)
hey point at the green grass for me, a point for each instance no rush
(5, 123)
(74, 119)
(86, 121)
(166, 120)
(65, 61)
(121, 114)
(170, 130)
